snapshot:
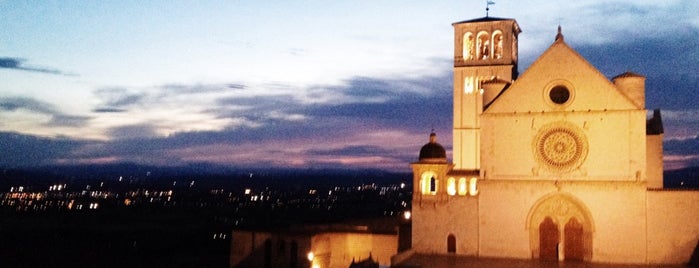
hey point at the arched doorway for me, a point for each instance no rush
(560, 227)
(451, 244)
(574, 244)
(549, 238)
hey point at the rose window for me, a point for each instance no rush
(561, 147)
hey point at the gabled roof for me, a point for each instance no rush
(560, 64)
(483, 19)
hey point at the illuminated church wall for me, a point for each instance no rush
(331, 249)
(562, 158)
(673, 225)
(459, 218)
(338, 250)
(512, 146)
(606, 124)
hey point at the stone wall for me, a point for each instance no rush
(338, 250)
(673, 225)
(613, 215)
(433, 222)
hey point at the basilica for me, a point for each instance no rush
(558, 163)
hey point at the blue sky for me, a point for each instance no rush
(348, 84)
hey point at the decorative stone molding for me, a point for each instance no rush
(562, 208)
(560, 147)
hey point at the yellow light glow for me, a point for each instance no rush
(407, 215)
(451, 186)
(469, 85)
(428, 183)
(310, 256)
(473, 186)
(463, 188)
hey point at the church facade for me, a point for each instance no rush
(559, 163)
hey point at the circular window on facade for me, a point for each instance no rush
(559, 94)
(560, 147)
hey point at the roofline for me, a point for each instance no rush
(483, 19)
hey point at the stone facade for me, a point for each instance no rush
(559, 163)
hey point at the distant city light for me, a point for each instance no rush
(407, 215)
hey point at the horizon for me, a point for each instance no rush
(342, 85)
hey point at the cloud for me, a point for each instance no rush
(372, 122)
(416, 105)
(669, 64)
(58, 118)
(108, 110)
(25, 150)
(17, 103)
(170, 89)
(682, 147)
(357, 150)
(115, 99)
(17, 64)
(681, 153)
(68, 120)
(131, 132)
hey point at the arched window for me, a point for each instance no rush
(451, 186)
(451, 243)
(428, 183)
(463, 186)
(483, 44)
(468, 45)
(473, 186)
(497, 45)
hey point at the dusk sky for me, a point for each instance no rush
(304, 84)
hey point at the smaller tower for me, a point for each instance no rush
(429, 172)
(633, 85)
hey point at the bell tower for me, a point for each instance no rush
(485, 52)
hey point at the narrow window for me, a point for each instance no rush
(469, 85)
(428, 183)
(483, 44)
(497, 45)
(451, 243)
(463, 186)
(473, 186)
(468, 43)
(451, 186)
